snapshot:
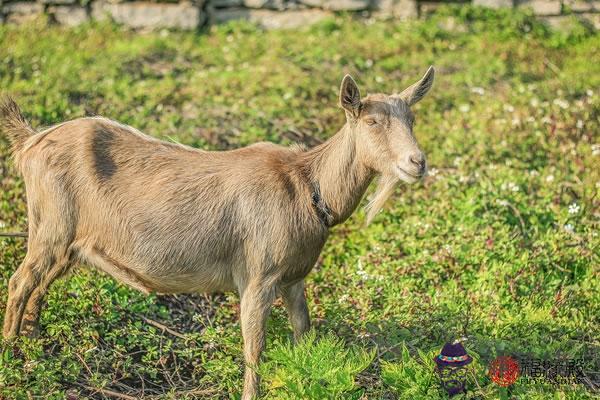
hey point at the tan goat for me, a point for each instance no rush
(169, 218)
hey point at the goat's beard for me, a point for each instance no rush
(385, 187)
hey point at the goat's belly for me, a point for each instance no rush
(201, 279)
(162, 277)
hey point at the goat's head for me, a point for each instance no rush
(383, 127)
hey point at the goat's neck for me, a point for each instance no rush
(335, 166)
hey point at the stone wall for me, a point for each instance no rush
(193, 14)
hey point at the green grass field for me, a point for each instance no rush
(500, 244)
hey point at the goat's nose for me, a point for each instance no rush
(418, 160)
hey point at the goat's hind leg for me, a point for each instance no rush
(31, 316)
(39, 268)
(295, 303)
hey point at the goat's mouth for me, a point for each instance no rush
(407, 176)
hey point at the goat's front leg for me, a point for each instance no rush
(295, 303)
(255, 306)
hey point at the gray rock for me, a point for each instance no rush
(542, 7)
(150, 15)
(428, 7)
(395, 8)
(22, 11)
(68, 14)
(593, 19)
(339, 5)
(568, 23)
(493, 3)
(269, 19)
(582, 6)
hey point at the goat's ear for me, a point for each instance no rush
(350, 97)
(418, 90)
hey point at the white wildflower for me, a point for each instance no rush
(516, 121)
(502, 202)
(509, 108)
(460, 340)
(550, 178)
(569, 228)
(579, 124)
(530, 119)
(574, 208)
(478, 90)
(533, 172)
(378, 79)
(546, 120)
(463, 179)
(288, 95)
(589, 93)
(369, 63)
(596, 149)
(511, 186)
(433, 172)
(534, 102)
(343, 298)
(361, 272)
(464, 108)
(457, 161)
(561, 103)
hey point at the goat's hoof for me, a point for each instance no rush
(32, 332)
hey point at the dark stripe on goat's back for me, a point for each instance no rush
(103, 140)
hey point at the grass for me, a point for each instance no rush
(500, 244)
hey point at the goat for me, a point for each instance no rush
(169, 218)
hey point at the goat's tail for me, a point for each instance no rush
(13, 124)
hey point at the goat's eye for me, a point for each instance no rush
(371, 122)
